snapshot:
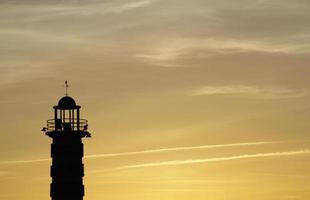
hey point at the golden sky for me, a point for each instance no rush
(186, 99)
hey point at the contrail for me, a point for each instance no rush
(25, 161)
(151, 151)
(182, 149)
(219, 159)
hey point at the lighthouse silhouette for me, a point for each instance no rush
(67, 130)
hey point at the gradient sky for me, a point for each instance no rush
(186, 99)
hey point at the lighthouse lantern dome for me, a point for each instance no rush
(66, 103)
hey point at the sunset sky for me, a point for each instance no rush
(186, 99)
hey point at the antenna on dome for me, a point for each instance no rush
(66, 86)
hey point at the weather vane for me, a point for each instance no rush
(66, 85)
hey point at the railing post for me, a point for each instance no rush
(78, 119)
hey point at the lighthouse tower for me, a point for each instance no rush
(67, 130)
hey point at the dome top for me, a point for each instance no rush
(67, 102)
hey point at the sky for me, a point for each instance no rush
(200, 99)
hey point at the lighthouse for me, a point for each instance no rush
(67, 130)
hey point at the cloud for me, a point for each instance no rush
(14, 72)
(152, 151)
(113, 8)
(181, 149)
(260, 92)
(37, 12)
(24, 161)
(174, 30)
(219, 159)
(174, 181)
(169, 52)
(134, 5)
(186, 190)
(292, 197)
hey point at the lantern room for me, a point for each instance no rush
(67, 117)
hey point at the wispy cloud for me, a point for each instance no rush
(173, 181)
(261, 92)
(203, 181)
(169, 52)
(24, 161)
(292, 197)
(115, 8)
(182, 149)
(39, 12)
(153, 151)
(135, 4)
(186, 190)
(219, 159)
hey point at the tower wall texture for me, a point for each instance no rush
(67, 168)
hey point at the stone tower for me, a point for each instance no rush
(67, 130)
